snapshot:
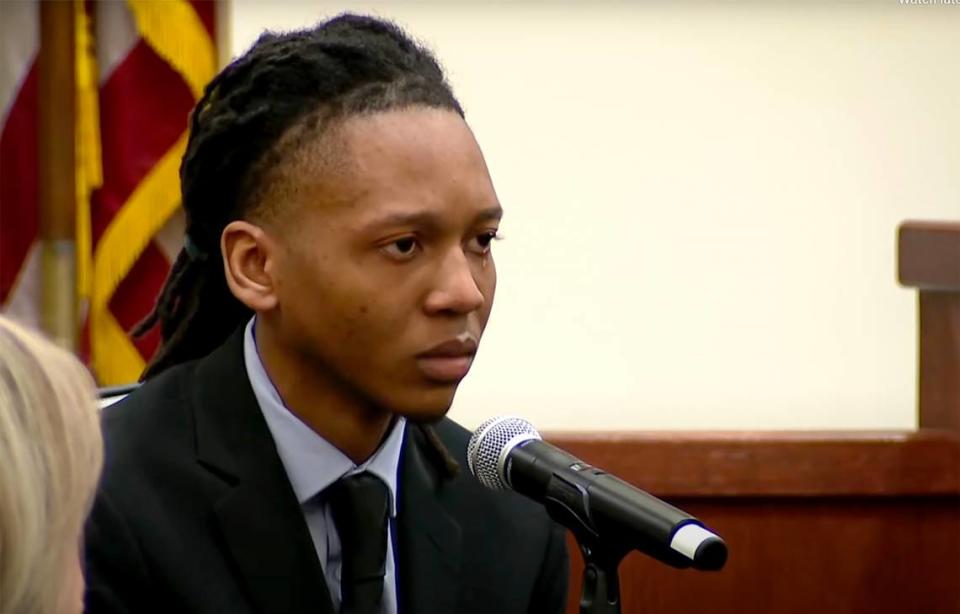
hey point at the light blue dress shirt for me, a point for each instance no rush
(312, 464)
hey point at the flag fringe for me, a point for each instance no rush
(88, 154)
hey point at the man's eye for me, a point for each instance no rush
(481, 243)
(401, 249)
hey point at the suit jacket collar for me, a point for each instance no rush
(429, 536)
(263, 527)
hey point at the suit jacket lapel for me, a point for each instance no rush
(260, 519)
(429, 537)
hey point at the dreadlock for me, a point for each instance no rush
(284, 90)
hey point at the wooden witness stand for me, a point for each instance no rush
(836, 522)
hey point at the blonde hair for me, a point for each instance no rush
(51, 453)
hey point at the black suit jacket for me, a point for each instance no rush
(195, 515)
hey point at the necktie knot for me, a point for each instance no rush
(360, 506)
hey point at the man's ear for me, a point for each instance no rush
(249, 262)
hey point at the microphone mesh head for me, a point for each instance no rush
(489, 443)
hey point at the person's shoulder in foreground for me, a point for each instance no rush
(50, 458)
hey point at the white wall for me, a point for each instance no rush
(701, 202)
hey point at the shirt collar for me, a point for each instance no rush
(312, 463)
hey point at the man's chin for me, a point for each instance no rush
(421, 417)
(426, 409)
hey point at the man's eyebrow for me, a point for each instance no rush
(405, 218)
(492, 213)
(427, 219)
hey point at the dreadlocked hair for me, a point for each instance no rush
(285, 90)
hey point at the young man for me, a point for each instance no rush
(288, 451)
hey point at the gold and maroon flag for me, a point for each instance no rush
(153, 60)
(19, 174)
(140, 66)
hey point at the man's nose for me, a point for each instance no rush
(456, 290)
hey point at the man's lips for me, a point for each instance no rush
(446, 369)
(448, 361)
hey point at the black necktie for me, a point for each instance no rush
(359, 505)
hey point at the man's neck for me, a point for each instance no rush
(353, 426)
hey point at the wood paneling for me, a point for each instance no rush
(829, 522)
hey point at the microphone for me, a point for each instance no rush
(507, 452)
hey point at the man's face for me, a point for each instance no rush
(385, 278)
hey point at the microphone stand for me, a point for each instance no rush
(600, 588)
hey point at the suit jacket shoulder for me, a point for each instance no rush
(194, 513)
